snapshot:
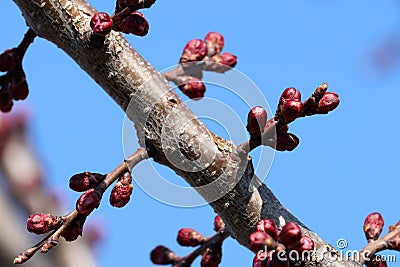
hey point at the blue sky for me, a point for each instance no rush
(344, 168)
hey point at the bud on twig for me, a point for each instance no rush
(84, 181)
(101, 23)
(122, 191)
(218, 224)
(162, 256)
(268, 226)
(287, 142)
(258, 241)
(214, 42)
(189, 237)
(74, 230)
(88, 201)
(135, 24)
(290, 235)
(8, 59)
(193, 88)
(256, 120)
(195, 50)
(306, 244)
(373, 226)
(328, 102)
(42, 223)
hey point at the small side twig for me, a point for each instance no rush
(52, 239)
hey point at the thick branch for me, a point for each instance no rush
(164, 124)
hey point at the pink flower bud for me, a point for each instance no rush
(258, 241)
(256, 120)
(88, 201)
(214, 42)
(195, 50)
(193, 88)
(101, 23)
(120, 195)
(74, 230)
(268, 226)
(373, 226)
(218, 223)
(41, 223)
(189, 237)
(211, 257)
(287, 142)
(84, 181)
(290, 235)
(8, 59)
(328, 102)
(135, 24)
(162, 256)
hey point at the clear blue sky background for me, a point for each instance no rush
(345, 167)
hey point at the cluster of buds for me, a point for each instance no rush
(122, 191)
(199, 55)
(188, 237)
(267, 241)
(13, 85)
(373, 226)
(126, 19)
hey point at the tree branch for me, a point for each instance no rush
(165, 126)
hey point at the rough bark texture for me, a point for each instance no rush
(164, 125)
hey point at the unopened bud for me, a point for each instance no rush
(211, 257)
(189, 237)
(290, 235)
(122, 191)
(135, 24)
(218, 223)
(162, 256)
(193, 88)
(8, 59)
(287, 142)
(42, 223)
(291, 110)
(258, 241)
(74, 230)
(88, 201)
(268, 226)
(195, 50)
(101, 23)
(328, 102)
(84, 181)
(256, 120)
(373, 226)
(306, 244)
(214, 42)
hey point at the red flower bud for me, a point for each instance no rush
(306, 244)
(8, 59)
(291, 110)
(229, 59)
(256, 120)
(19, 88)
(373, 226)
(135, 24)
(290, 93)
(218, 223)
(211, 257)
(268, 226)
(258, 241)
(120, 195)
(214, 42)
(74, 230)
(41, 223)
(88, 201)
(84, 181)
(162, 256)
(287, 142)
(189, 237)
(290, 235)
(6, 103)
(101, 23)
(193, 88)
(328, 102)
(195, 50)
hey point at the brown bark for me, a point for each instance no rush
(165, 125)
